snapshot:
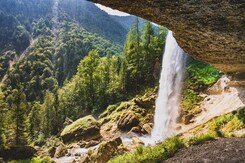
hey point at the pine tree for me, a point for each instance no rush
(87, 70)
(3, 106)
(148, 53)
(19, 115)
(48, 114)
(34, 120)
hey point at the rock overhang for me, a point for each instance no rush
(211, 31)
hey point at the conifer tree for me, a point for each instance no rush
(19, 115)
(3, 109)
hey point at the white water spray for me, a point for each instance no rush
(167, 103)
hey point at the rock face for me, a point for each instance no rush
(127, 121)
(107, 150)
(16, 153)
(86, 128)
(211, 31)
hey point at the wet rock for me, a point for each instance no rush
(136, 141)
(127, 121)
(136, 130)
(187, 119)
(60, 151)
(107, 150)
(51, 151)
(18, 152)
(77, 154)
(147, 127)
(85, 159)
(91, 143)
(145, 102)
(86, 128)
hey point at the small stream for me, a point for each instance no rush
(75, 155)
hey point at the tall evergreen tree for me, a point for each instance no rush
(19, 115)
(87, 70)
(48, 114)
(148, 53)
(34, 120)
(3, 109)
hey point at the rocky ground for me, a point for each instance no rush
(225, 150)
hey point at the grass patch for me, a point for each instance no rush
(157, 153)
(201, 139)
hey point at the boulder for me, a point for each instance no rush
(147, 127)
(145, 102)
(18, 152)
(85, 159)
(135, 130)
(136, 141)
(60, 151)
(86, 128)
(107, 150)
(187, 119)
(127, 121)
(219, 87)
(91, 143)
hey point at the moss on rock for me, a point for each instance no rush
(86, 128)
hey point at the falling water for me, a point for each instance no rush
(167, 103)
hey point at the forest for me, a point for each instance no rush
(85, 62)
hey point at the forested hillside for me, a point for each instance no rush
(72, 73)
(69, 67)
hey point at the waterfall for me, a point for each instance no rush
(167, 103)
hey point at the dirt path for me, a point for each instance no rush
(223, 150)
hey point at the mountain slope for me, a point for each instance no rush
(94, 19)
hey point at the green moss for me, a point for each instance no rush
(84, 122)
(109, 110)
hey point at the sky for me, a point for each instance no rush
(111, 11)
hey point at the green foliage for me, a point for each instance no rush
(75, 44)
(93, 19)
(108, 110)
(201, 139)
(17, 100)
(158, 153)
(199, 76)
(202, 74)
(141, 55)
(33, 160)
(3, 107)
(224, 125)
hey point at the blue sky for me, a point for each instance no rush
(111, 11)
